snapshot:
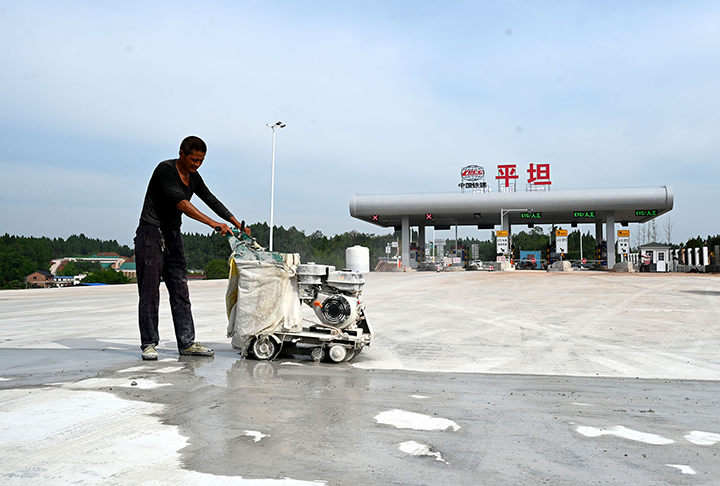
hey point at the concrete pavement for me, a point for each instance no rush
(473, 378)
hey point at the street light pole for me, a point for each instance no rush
(272, 180)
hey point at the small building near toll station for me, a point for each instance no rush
(658, 255)
(531, 257)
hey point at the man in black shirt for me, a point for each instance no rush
(159, 249)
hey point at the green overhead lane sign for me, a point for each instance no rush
(646, 212)
(584, 214)
(536, 215)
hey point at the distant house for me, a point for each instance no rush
(128, 268)
(40, 279)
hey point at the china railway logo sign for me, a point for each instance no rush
(472, 173)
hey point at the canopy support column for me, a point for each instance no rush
(610, 231)
(405, 236)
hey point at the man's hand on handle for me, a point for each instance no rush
(225, 229)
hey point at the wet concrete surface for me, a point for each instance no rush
(78, 405)
(318, 423)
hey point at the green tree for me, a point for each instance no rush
(217, 269)
(109, 276)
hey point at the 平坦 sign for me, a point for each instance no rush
(538, 174)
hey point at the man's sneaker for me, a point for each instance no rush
(197, 349)
(149, 353)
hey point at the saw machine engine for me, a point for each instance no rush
(335, 295)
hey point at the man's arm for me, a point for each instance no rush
(188, 209)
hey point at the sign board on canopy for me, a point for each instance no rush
(561, 241)
(503, 244)
(623, 242)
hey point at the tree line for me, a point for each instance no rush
(208, 253)
(22, 255)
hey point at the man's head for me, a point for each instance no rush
(192, 153)
(193, 143)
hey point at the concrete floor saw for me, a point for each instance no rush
(264, 297)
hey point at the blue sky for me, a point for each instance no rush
(378, 97)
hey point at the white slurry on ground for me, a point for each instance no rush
(625, 433)
(683, 469)
(94, 383)
(150, 369)
(255, 435)
(60, 436)
(168, 369)
(135, 369)
(411, 420)
(702, 438)
(419, 396)
(416, 449)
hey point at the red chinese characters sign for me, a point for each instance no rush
(507, 172)
(539, 174)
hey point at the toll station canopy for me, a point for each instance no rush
(486, 210)
(632, 205)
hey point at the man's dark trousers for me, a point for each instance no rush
(154, 259)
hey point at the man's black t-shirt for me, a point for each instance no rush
(166, 189)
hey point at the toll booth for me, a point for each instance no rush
(601, 253)
(415, 256)
(551, 256)
(462, 253)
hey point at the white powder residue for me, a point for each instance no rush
(204, 479)
(290, 363)
(91, 383)
(580, 404)
(5, 379)
(149, 369)
(416, 449)
(625, 433)
(703, 438)
(168, 369)
(411, 420)
(419, 396)
(255, 435)
(683, 469)
(134, 369)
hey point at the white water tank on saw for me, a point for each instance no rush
(357, 259)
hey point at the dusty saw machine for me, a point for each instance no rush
(342, 330)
